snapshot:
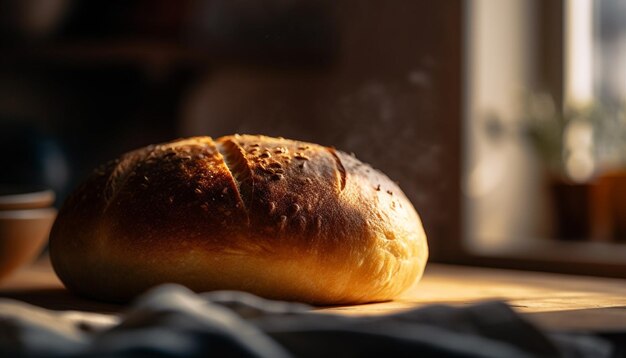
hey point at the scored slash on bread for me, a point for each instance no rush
(279, 218)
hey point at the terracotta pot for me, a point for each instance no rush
(610, 199)
(572, 204)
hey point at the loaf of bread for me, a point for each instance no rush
(279, 218)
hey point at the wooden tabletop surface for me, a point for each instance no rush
(553, 301)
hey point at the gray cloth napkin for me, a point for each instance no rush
(171, 321)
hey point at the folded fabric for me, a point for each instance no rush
(171, 321)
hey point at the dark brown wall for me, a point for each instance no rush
(378, 78)
(391, 95)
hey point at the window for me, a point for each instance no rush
(545, 135)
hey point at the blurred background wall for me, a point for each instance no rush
(94, 79)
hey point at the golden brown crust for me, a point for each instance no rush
(283, 219)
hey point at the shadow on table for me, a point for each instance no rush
(605, 322)
(59, 299)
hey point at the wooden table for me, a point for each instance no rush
(561, 302)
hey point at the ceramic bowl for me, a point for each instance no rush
(25, 222)
(23, 233)
(17, 198)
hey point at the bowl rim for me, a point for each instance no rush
(27, 214)
(22, 198)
